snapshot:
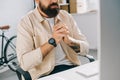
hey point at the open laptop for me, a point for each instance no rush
(110, 39)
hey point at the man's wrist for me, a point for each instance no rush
(52, 41)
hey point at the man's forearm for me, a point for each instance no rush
(76, 48)
(46, 48)
(74, 44)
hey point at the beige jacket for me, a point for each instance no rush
(33, 31)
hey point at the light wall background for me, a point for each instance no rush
(88, 25)
(11, 12)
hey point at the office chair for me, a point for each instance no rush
(20, 72)
(89, 57)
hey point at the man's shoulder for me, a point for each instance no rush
(28, 15)
(64, 12)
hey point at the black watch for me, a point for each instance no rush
(52, 42)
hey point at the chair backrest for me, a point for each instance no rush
(19, 71)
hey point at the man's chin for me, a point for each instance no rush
(51, 16)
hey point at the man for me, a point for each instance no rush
(48, 39)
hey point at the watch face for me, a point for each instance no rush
(52, 41)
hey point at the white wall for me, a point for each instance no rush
(10, 13)
(88, 25)
(92, 5)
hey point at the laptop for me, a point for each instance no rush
(110, 40)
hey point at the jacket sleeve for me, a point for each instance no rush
(28, 56)
(78, 37)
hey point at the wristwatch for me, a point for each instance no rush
(52, 42)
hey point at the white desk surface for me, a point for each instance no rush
(91, 69)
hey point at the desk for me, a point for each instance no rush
(72, 74)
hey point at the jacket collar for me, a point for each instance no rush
(38, 15)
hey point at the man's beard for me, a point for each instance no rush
(50, 12)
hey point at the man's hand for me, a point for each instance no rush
(59, 32)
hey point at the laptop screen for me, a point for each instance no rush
(110, 37)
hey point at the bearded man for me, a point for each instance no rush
(48, 40)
